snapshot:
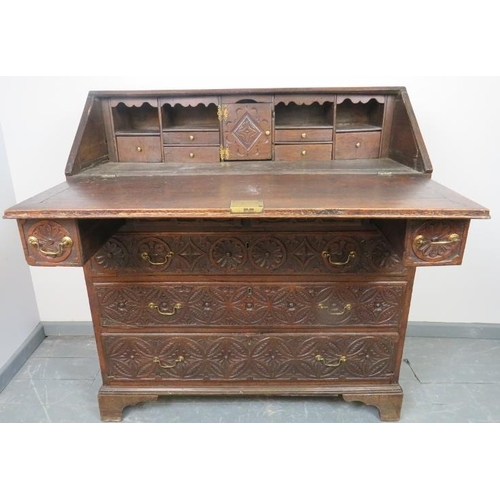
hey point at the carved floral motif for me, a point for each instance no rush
(433, 241)
(228, 253)
(113, 255)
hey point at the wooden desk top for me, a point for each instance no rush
(151, 191)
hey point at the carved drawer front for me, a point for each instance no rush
(303, 135)
(247, 254)
(249, 358)
(192, 154)
(189, 137)
(350, 146)
(296, 152)
(436, 242)
(140, 149)
(250, 305)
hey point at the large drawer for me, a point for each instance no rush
(163, 358)
(250, 253)
(249, 304)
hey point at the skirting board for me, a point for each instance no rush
(17, 360)
(415, 329)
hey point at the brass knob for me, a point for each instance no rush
(268, 133)
(191, 155)
(304, 135)
(303, 152)
(358, 144)
(139, 149)
(191, 137)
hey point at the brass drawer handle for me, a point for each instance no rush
(139, 149)
(191, 137)
(66, 242)
(180, 359)
(421, 241)
(347, 308)
(191, 155)
(304, 135)
(147, 257)
(177, 306)
(326, 255)
(321, 359)
(358, 144)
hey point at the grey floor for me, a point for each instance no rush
(446, 380)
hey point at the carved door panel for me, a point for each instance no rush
(247, 131)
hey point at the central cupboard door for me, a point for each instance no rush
(247, 131)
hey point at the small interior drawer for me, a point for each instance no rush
(353, 146)
(193, 154)
(303, 135)
(297, 152)
(192, 137)
(139, 149)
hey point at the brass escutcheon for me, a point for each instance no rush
(177, 306)
(326, 255)
(321, 359)
(420, 240)
(66, 242)
(145, 256)
(180, 359)
(347, 307)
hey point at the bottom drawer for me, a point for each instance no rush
(194, 357)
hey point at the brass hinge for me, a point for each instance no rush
(223, 153)
(222, 113)
(246, 206)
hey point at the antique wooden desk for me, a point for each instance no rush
(248, 242)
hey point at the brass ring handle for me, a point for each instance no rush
(180, 359)
(66, 242)
(452, 238)
(177, 306)
(321, 359)
(147, 257)
(347, 307)
(326, 255)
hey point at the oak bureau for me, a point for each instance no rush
(248, 242)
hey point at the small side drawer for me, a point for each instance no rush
(63, 242)
(354, 146)
(303, 135)
(435, 242)
(192, 137)
(297, 152)
(192, 154)
(139, 149)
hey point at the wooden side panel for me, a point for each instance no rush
(90, 146)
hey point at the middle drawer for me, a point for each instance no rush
(258, 305)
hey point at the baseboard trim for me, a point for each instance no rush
(454, 330)
(68, 328)
(17, 360)
(415, 329)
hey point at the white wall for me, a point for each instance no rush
(458, 116)
(18, 310)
